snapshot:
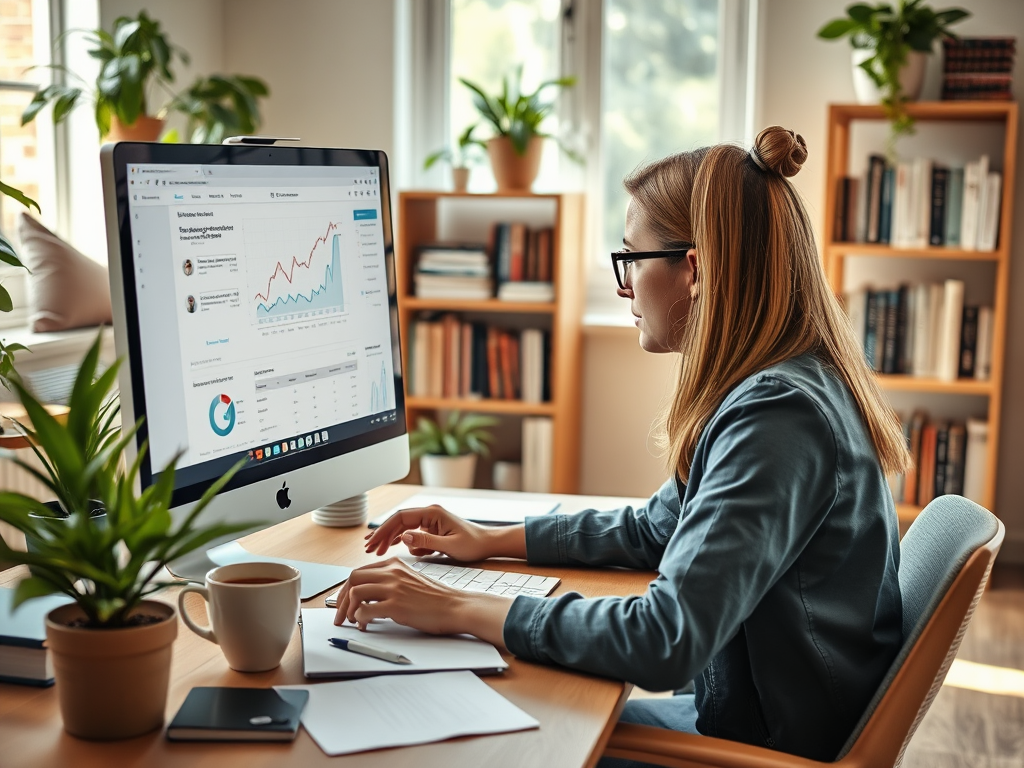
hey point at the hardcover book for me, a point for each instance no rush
(238, 714)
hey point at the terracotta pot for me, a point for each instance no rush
(460, 179)
(911, 77)
(144, 129)
(514, 172)
(448, 471)
(112, 683)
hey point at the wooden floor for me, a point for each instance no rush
(973, 729)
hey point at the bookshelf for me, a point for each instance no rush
(947, 131)
(431, 217)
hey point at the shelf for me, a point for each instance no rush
(484, 405)
(901, 382)
(930, 110)
(434, 194)
(479, 305)
(931, 252)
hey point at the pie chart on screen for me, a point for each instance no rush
(222, 415)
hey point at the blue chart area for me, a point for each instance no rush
(379, 392)
(327, 295)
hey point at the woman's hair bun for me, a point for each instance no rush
(779, 149)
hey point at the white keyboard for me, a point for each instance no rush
(478, 580)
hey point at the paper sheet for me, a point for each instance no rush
(378, 712)
(480, 508)
(428, 653)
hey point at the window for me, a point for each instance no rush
(653, 77)
(26, 152)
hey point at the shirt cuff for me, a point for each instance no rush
(522, 628)
(545, 537)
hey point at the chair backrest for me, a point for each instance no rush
(945, 561)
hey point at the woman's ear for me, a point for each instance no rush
(691, 259)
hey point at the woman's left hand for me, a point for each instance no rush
(392, 590)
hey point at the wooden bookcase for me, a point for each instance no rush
(429, 216)
(965, 121)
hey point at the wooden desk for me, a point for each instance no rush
(576, 711)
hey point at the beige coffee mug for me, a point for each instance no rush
(253, 610)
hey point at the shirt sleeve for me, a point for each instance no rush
(627, 537)
(763, 482)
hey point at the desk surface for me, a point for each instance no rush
(576, 711)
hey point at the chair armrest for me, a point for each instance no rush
(684, 750)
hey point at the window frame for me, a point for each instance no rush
(425, 34)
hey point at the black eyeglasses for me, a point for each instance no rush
(622, 259)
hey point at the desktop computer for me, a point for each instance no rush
(255, 311)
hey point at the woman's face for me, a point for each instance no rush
(659, 289)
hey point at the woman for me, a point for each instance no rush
(776, 542)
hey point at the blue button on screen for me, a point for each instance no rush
(366, 213)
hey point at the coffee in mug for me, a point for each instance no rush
(253, 609)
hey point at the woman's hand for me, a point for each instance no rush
(428, 530)
(392, 590)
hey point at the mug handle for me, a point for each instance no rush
(204, 632)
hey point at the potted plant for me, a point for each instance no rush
(462, 156)
(889, 47)
(516, 117)
(8, 256)
(136, 57)
(111, 646)
(447, 450)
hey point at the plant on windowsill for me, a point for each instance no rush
(465, 154)
(889, 48)
(136, 57)
(9, 257)
(447, 450)
(111, 645)
(516, 117)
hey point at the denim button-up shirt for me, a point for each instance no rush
(777, 590)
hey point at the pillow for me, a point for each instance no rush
(66, 289)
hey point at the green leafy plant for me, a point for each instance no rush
(891, 32)
(136, 56)
(80, 559)
(519, 115)
(467, 151)
(8, 256)
(456, 436)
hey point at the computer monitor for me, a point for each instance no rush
(255, 313)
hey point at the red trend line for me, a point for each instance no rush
(296, 263)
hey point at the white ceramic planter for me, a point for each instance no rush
(911, 77)
(448, 471)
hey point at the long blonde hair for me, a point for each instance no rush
(761, 295)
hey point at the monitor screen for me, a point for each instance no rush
(254, 301)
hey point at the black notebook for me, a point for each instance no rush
(238, 714)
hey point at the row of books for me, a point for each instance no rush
(455, 358)
(949, 457)
(453, 271)
(523, 261)
(923, 330)
(978, 68)
(921, 203)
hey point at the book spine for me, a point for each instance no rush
(922, 201)
(955, 459)
(975, 460)
(949, 337)
(493, 365)
(941, 458)
(890, 325)
(885, 206)
(910, 485)
(968, 341)
(954, 206)
(466, 360)
(903, 320)
(873, 198)
(921, 332)
(983, 345)
(926, 473)
(902, 223)
(972, 198)
(988, 220)
(871, 327)
(937, 218)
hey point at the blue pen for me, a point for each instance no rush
(368, 650)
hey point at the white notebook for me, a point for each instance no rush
(428, 653)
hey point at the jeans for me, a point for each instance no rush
(678, 713)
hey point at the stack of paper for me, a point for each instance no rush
(380, 712)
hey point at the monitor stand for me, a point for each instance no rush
(316, 577)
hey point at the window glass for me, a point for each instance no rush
(489, 39)
(660, 90)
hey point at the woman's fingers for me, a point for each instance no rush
(362, 594)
